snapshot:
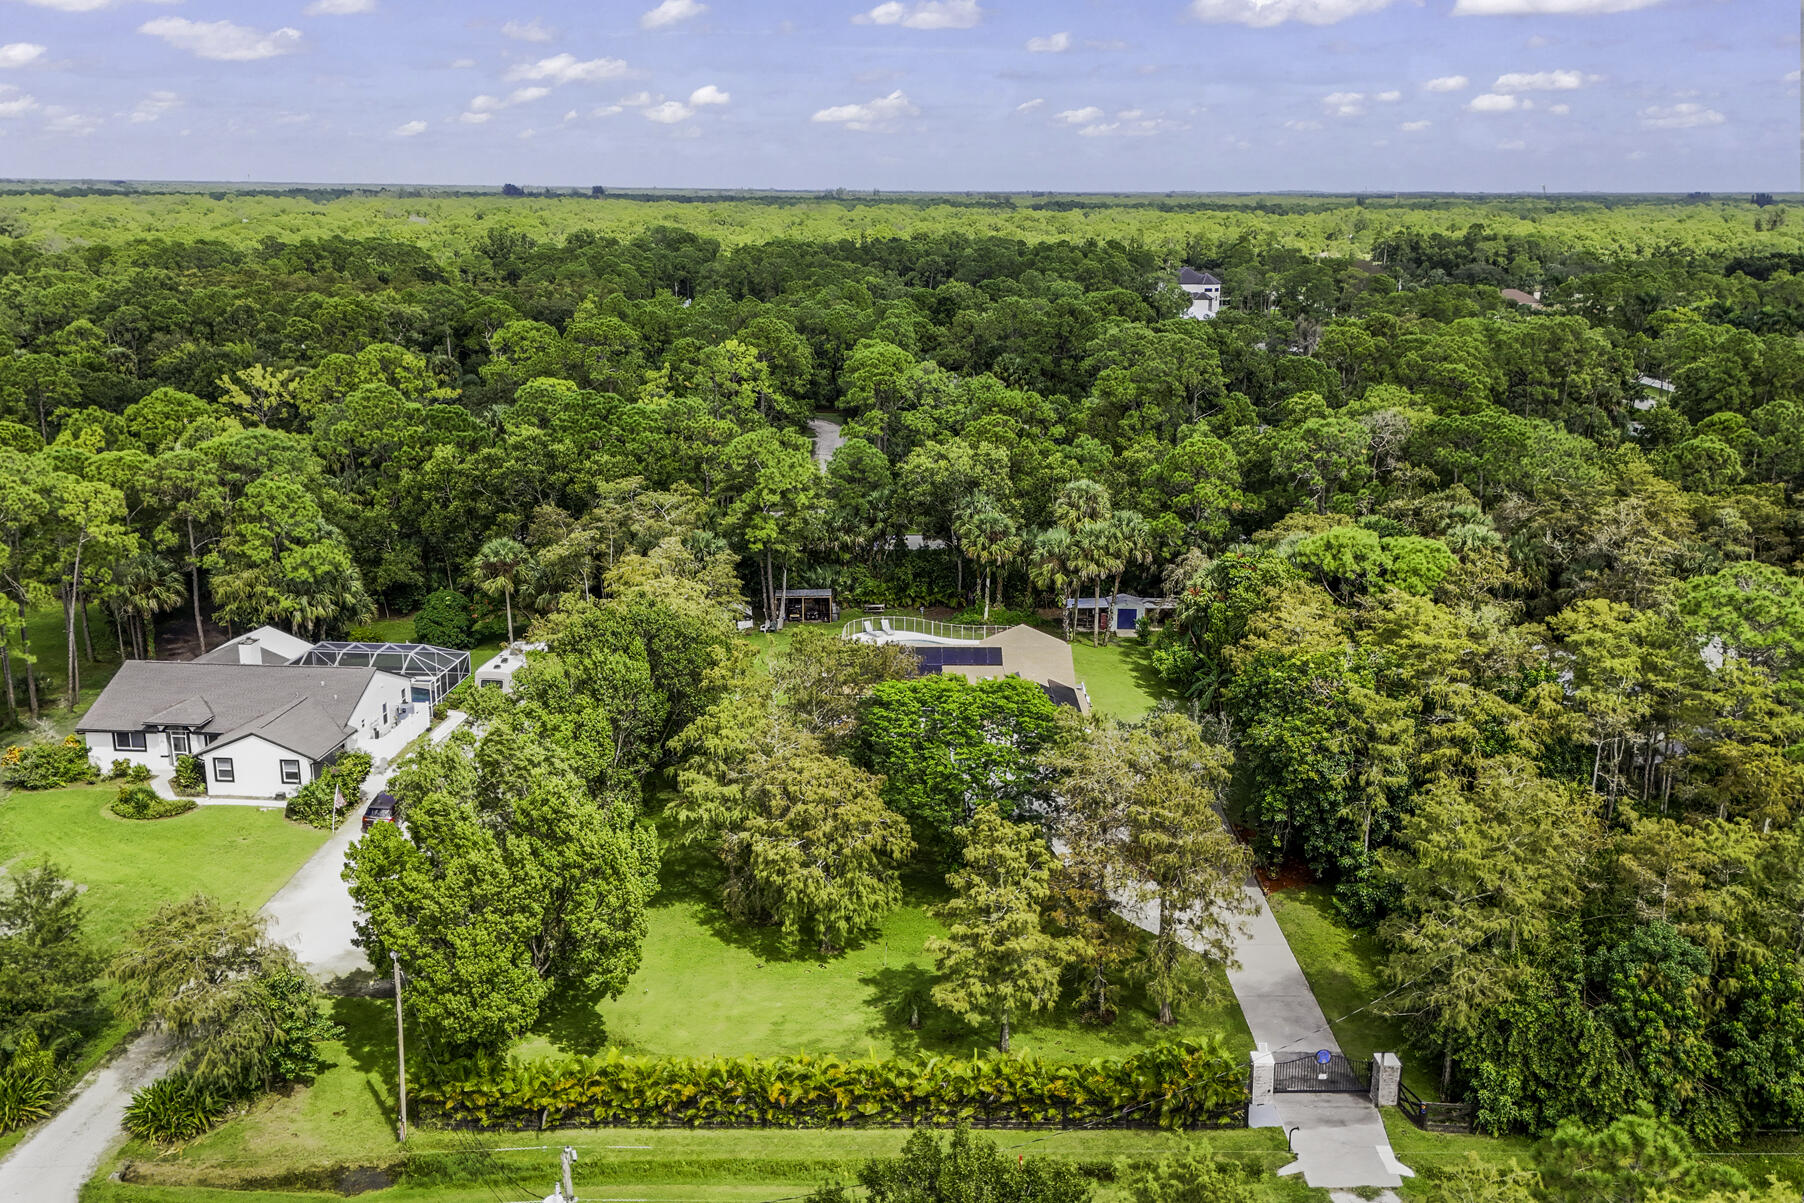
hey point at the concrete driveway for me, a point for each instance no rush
(312, 914)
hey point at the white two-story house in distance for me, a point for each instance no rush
(1204, 291)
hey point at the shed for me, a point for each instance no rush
(498, 673)
(1124, 611)
(806, 605)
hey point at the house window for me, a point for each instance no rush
(129, 741)
(291, 772)
(385, 714)
(491, 683)
(178, 742)
(222, 769)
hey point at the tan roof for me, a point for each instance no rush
(1032, 655)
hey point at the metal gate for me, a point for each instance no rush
(1302, 1073)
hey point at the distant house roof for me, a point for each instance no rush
(1519, 297)
(307, 710)
(1189, 275)
(800, 593)
(1111, 600)
(265, 645)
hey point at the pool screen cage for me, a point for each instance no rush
(431, 671)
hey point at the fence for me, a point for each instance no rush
(1454, 1118)
(902, 625)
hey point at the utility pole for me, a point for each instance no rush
(566, 1157)
(400, 1046)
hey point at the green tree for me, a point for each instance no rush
(243, 1012)
(497, 570)
(444, 620)
(997, 960)
(1636, 1159)
(49, 990)
(960, 1169)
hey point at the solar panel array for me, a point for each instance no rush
(935, 658)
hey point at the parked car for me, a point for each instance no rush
(382, 809)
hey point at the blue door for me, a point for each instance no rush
(1126, 618)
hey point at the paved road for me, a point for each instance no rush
(826, 439)
(311, 914)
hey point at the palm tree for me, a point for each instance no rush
(1134, 542)
(1082, 508)
(496, 571)
(1051, 568)
(992, 538)
(144, 586)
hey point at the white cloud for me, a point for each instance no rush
(473, 118)
(1546, 8)
(1791, 77)
(1542, 81)
(570, 116)
(1056, 43)
(881, 113)
(223, 40)
(1130, 123)
(606, 110)
(154, 106)
(17, 54)
(1083, 116)
(1264, 13)
(708, 94)
(485, 103)
(638, 100)
(670, 12)
(1344, 104)
(14, 103)
(68, 122)
(1559, 110)
(1494, 102)
(526, 31)
(462, 64)
(568, 69)
(1388, 97)
(924, 14)
(1099, 130)
(1028, 106)
(1302, 127)
(1447, 83)
(1512, 144)
(339, 8)
(410, 129)
(669, 113)
(1414, 127)
(1680, 116)
(527, 95)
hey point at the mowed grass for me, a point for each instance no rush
(1120, 677)
(239, 855)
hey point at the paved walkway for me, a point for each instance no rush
(826, 439)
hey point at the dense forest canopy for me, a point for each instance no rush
(1495, 601)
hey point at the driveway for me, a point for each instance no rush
(312, 914)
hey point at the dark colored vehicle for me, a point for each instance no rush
(383, 809)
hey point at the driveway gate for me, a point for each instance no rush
(1303, 1073)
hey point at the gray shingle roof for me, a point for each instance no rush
(306, 709)
(1189, 275)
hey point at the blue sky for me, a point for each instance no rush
(1228, 95)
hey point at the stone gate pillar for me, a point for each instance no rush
(1387, 1075)
(1261, 1111)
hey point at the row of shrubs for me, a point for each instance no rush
(28, 1085)
(142, 802)
(312, 803)
(1171, 1086)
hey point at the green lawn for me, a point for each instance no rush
(1342, 965)
(238, 854)
(399, 629)
(1119, 677)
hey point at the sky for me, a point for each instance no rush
(1060, 95)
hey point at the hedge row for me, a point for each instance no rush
(1169, 1086)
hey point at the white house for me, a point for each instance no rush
(262, 718)
(1204, 291)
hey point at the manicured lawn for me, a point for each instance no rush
(711, 985)
(1342, 965)
(237, 854)
(1120, 677)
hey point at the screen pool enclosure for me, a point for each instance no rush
(431, 672)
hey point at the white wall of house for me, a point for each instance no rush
(370, 720)
(1205, 300)
(155, 755)
(256, 768)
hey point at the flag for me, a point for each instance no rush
(338, 798)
